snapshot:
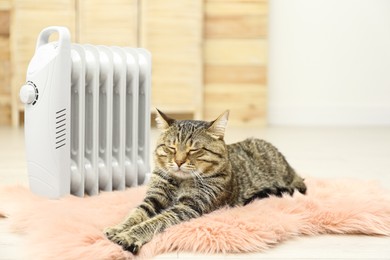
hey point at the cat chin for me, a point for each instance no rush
(181, 174)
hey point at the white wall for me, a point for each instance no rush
(329, 62)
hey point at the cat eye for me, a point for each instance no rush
(192, 151)
(172, 149)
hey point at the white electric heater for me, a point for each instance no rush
(87, 117)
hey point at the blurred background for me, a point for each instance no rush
(276, 62)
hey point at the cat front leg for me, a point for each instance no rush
(157, 199)
(135, 217)
(153, 204)
(133, 239)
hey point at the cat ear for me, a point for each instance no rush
(163, 121)
(218, 126)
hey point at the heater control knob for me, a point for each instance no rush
(28, 93)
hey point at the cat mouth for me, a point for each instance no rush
(182, 174)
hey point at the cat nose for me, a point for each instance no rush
(179, 162)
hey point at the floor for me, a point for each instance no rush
(358, 152)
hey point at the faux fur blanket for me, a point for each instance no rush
(71, 228)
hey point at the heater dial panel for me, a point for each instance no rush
(28, 93)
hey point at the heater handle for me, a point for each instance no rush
(63, 33)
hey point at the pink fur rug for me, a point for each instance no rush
(71, 228)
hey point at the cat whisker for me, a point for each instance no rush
(205, 187)
(208, 185)
(164, 172)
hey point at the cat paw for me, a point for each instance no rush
(113, 231)
(128, 242)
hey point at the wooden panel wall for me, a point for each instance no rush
(235, 60)
(208, 55)
(5, 64)
(113, 22)
(29, 18)
(172, 31)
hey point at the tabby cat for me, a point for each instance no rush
(196, 173)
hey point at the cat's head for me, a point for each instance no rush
(191, 148)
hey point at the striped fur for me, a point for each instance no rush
(196, 173)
